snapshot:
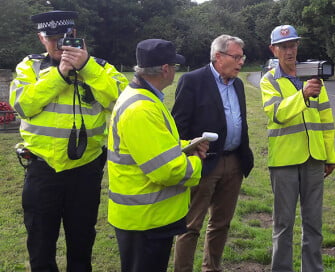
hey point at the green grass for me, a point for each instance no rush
(249, 240)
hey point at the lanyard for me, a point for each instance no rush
(76, 147)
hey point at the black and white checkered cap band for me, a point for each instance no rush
(54, 24)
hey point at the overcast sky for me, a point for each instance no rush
(200, 1)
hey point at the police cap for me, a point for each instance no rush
(55, 22)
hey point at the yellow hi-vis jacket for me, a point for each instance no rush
(149, 175)
(44, 101)
(297, 129)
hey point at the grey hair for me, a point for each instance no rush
(222, 42)
(152, 71)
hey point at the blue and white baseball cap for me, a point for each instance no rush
(284, 33)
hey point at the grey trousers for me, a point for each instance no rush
(218, 194)
(288, 184)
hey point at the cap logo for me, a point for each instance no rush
(52, 24)
(284, 32)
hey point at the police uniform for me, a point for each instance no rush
(63, 125)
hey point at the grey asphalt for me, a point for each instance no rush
(255, 77)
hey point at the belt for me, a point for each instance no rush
(34, 157)
(228, 152)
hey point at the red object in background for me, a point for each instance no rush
(6, 113)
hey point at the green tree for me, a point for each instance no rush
(17, 35)
(319, 22)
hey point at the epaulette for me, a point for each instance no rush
(102, 62)
(36, 56)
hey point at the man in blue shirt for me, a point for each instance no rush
(212, 99)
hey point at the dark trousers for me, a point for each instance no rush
(140, 252)
(48, 198)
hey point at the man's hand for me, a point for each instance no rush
(329, 169)
(312, 88)
(72, 58)
(201, 150)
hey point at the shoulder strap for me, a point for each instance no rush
(36, 56)
(102, 62)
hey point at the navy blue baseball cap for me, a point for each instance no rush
(157, 52)
(55, 22)
(283, 33)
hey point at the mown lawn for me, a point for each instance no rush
(250, 236)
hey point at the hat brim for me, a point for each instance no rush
(286, 40)
(180, 59)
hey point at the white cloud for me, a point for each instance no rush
(200, 1)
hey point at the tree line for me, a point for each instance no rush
(112, 28)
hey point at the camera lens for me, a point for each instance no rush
(77, 43)
(67, 42)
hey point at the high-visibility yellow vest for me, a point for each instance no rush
(44, 101)
(297, 128)
(149, 175)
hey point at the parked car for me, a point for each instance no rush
(269, 64)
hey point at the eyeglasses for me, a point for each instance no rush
(237, 58)
(287, 46)
(175, 66)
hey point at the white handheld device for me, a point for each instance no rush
(206, 136)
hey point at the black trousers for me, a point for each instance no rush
(71, 196)
(140, 251)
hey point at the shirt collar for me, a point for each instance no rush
(280, 73)
(157, 92)
(218, 77)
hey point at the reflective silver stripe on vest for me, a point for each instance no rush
(321, 106)
(118, 83)
(155, 163)
(300, 128)
(274, 100)
(189, 171)
(167, 123)
(118, 158)
(37, 67)
(115, 155)
(17, 105)
(160, 160)
(147, 199)
(274, 83)
(68, 109)
(57, 132)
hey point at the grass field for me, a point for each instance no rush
(249, 241)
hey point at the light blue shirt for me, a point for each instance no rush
(232, 111)
(157, 92)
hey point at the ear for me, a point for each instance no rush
(217, 55)
(272, 49)
(165, 68)
(41, 37)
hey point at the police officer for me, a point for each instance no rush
(55, 94)
(149, 176)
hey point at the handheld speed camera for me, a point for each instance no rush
(314, 69)
(70, 41)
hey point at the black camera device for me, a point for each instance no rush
(314, 69)
(69, 41)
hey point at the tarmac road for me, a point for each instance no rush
(255, 77)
